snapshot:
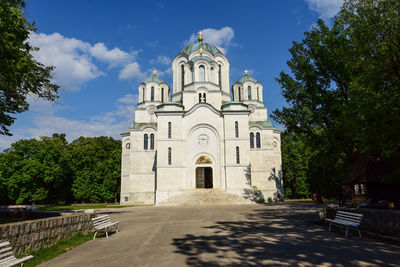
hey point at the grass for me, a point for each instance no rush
(83, 207)
(62, 246)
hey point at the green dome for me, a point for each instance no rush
(154, 79)
(247, 78)
(188, 50)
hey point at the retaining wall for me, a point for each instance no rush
(31, 235)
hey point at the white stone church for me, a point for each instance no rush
(201, 134)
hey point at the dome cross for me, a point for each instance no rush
(200, 38)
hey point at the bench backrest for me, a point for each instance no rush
(101, 220)
(5, 250)
(349, 216)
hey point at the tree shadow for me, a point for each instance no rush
(280, 236)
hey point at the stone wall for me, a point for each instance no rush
(32, 235)
(385, 222)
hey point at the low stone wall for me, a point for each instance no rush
(386, 222)
(31, 235)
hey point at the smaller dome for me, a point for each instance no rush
(247, 78)
(154, 79)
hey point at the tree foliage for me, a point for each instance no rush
(20, 74)
(50, 170)
(344, 93)
(96, 165)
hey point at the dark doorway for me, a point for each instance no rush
(204, 177)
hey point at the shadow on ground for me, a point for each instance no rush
(281, 236)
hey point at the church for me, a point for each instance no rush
(200, 134)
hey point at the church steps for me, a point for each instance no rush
(212, 196)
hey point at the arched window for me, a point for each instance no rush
(152, 94)
(240, 95)
(192, 72)
(151, 141)
(169, 156)
(162, 95)
(212, 74)
(169, 129)
(258, 94)
(258, 140)
(204, 97)
(251, 140)
(202, 74)
(200, 97)
(182, 76)
(237, 155)
(143, 95)
(249, 93)
(219, 77)
(146, 142)
(233, 94)
(236, 129)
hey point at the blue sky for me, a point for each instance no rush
(103, 50)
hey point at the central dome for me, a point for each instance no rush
(188, 50)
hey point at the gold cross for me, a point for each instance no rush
(200, 38)
(245, 72)
(155, 73)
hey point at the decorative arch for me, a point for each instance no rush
(204, 125)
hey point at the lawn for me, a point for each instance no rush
(57, 249)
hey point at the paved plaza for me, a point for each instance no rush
(234, 235)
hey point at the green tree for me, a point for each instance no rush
(343, 92)
(36, 171)
(96, 164)
(295, 160)
(20, 74)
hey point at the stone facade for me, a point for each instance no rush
(207, 136)
(31, 235)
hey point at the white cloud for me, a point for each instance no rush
(221, 38)
(129, 99)
(325, 8)
(114, 56)
(161, 60)
(75, 59)
(131, 70)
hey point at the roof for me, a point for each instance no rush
(188, 50)
(247, 78)
(154, 79)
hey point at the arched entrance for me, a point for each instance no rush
(204, 177)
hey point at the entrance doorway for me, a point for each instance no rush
(204, 177)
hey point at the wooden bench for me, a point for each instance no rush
(346, 219)
(7, 257)
(103, 223)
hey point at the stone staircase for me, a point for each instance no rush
(212, 196)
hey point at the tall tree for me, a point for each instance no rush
(343, 91)
(20, 74)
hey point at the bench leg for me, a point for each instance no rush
(95, 235)
(106, 233)
(347, 230)
(359, 233)
(116, 227)
(330, 227)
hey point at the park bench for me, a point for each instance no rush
(102, 223)
(7, 257)
(347, 220)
